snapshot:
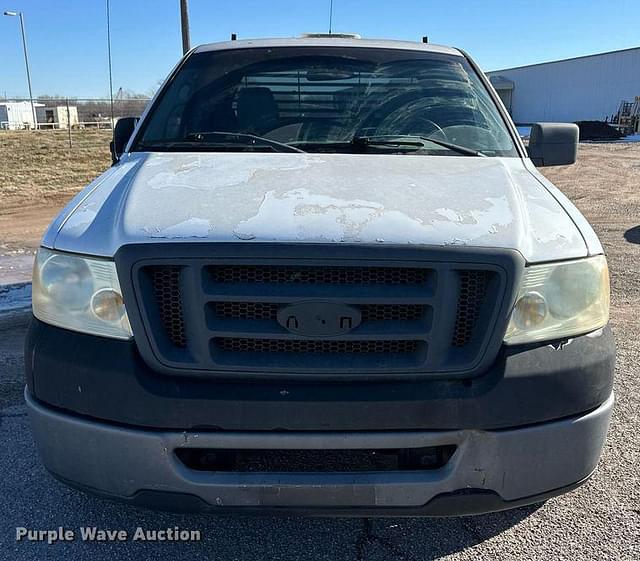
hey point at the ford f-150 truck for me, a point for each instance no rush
(323, 276)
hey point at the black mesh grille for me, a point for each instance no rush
(242, 345)
(168, 295)
(321, 275)
(325, 460)
(233, 309)
(246, 310)
(269, 311)
(471, 296)
(392, 312)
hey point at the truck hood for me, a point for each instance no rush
(337, 198)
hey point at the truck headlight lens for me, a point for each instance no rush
(560, 300)
(79, 293)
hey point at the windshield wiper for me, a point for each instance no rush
(393, 139)
(245, 138)
(198, 142)
(359, 142)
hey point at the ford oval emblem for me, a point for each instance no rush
(319, 319)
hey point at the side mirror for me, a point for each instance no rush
(553, 144)
(121, 135)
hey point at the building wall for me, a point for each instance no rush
(56, 116)
(17, 115)
(506, 97)
(64, 117)
(4, 118)
(579, 89)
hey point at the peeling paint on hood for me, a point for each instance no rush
(339, 198)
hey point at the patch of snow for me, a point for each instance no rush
(15, 297)
(16, 266)
(631, 138)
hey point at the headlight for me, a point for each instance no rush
(560, 300)
(79, 293)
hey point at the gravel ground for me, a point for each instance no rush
(600, 520)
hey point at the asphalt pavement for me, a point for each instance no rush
(600, 520)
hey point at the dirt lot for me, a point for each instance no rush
(39, 174)
(39, 167)
(605, 186)
(601, 520)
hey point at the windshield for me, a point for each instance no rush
(318, 99)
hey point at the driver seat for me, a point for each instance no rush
(257, 110)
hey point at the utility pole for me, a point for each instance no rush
(108, 6)
(184, 22)
(330, 15)
(26, 62)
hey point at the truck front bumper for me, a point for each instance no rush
(489, 470)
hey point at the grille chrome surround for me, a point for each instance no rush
(433, 311)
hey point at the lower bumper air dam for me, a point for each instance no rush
(489, 470)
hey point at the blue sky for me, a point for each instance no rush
(67, 38)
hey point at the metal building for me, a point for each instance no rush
(586, 88)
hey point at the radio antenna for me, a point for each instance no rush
(330, 15)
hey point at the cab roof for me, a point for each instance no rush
(324, 40)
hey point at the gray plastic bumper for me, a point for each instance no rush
(514, 464)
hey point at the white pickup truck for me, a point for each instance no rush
(323, 275)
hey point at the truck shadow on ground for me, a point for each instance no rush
(632, 235)
(289, 538)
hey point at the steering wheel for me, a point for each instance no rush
(436, 126)
(403, 114)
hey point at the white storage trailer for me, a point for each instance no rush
(57, 116)
(16, 115)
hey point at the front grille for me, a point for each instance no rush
(392, 312)
(246, 310)
(472, 292)
(318, 461)
(415, 318)
(250, 345)
(269, 311)
(168, 296)
(320, 275)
